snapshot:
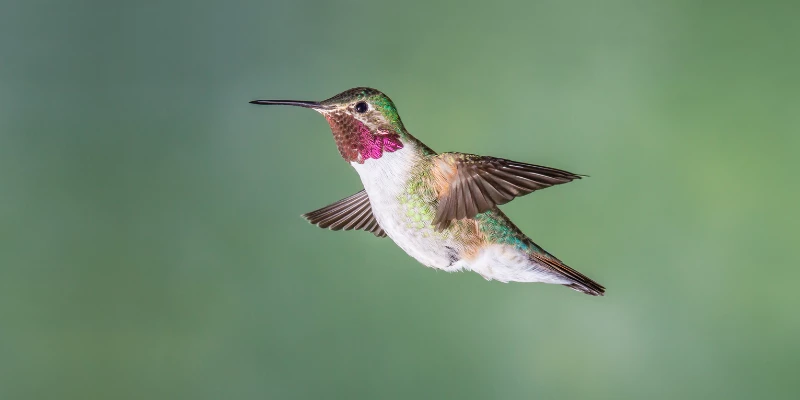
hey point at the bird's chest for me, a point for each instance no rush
(402, 208)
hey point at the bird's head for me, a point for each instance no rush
(364, 122)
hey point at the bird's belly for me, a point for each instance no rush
(418, 239)
(405, 215)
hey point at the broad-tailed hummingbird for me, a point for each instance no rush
(440, 208)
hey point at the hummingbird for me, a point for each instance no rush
(440, 208)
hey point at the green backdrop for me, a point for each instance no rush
(150, 239)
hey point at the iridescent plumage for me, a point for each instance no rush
(440, 208)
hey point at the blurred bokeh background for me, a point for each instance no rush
(150, 238)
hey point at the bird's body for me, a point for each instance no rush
(441, 209)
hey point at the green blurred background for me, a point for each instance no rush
(151, 244)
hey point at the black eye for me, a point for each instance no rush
(361, 107)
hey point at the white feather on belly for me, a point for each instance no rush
(385, 179)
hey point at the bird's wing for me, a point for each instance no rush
(468, 185)
(354, 212)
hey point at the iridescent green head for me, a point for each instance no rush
(364, 122)
(368, 105)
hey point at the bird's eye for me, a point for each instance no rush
(361, 107)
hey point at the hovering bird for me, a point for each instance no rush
(441, 209)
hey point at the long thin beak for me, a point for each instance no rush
(307, 104)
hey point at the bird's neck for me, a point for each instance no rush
(414, 144)
(389, 174)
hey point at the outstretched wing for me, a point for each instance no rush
(354, 212)
(468, 185)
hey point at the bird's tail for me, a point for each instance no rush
(591, 288)
(580, 282)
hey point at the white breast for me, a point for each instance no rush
(384, 180)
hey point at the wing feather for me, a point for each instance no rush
(468, 185)
(354, 212)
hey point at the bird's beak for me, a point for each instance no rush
(307, 104)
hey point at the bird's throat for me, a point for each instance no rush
(357, 142)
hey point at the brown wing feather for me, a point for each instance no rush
(354, 212)
(468, 185)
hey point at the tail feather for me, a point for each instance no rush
(580, 282)
(592, 289)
